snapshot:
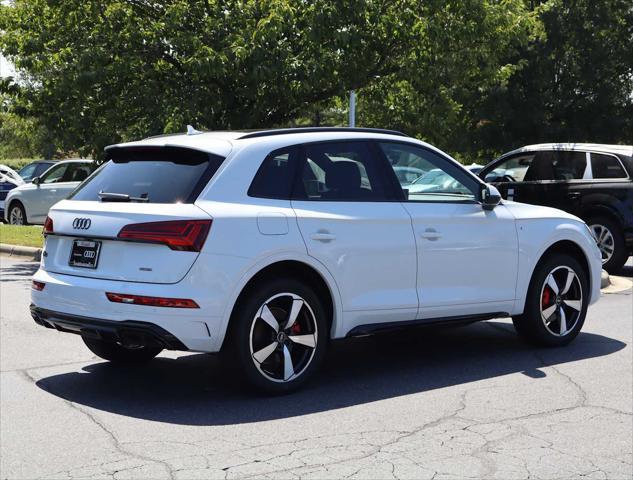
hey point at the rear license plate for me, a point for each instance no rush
(85, 254)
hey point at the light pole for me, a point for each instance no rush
(352, 108)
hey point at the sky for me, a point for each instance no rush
(6, 69)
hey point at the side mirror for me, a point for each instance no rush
(490, 197)
(35, 181)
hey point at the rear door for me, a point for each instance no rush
(351, 223)
(134, 220)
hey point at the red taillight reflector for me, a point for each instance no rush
(39, 286)
(188, 235)
(151, 301)
(48, 226)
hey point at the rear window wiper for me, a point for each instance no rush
(122, 197)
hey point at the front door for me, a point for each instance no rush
(351, 223)
(44, 195)
(467, 257)
(58, 183)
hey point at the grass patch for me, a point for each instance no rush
(28, 236)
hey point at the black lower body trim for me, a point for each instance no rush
(126, 332)
(372, 328)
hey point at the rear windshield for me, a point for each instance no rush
(151, 174)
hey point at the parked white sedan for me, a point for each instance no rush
(30, 202)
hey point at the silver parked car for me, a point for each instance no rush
(29, 203)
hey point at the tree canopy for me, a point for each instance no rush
(455, 73)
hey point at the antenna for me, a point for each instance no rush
(192, 131)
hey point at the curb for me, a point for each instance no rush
(30, 253)
(605, 280)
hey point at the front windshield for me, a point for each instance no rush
(27, 172)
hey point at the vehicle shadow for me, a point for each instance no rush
(198, 390)
(18, 271)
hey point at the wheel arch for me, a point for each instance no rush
(300, 269)
(568, 247)
(571, 248)
(12, 202)
(601, 211)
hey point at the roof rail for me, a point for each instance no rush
(285, 131)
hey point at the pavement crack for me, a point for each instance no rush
(52, 365)
(110, 434)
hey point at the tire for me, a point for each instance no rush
(552, 290)
(610, 241)
(17, 214)
(118, 354)
(278, 335)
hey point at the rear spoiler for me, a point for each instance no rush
(162, 153)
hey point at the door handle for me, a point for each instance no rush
(323, 236)
(431, 234)
(573, 195)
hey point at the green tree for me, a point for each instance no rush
(21, 135)
(97, 72)
(105, 71)
(463, 50)
(576, 84)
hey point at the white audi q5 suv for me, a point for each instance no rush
(266, 245)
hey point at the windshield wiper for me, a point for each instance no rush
(122, 197)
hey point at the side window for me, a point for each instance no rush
(55, 174)
(77, 172)
(275, 175)
(511, 170)
(41, 168)
(606, 166)
(556, 165)
(340, 171)
(569, 165)
(426, 176)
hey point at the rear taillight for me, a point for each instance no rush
(48, 226)
(151, 301)
(188, 235)
(39, 286)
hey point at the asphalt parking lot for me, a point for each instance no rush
(467, 402)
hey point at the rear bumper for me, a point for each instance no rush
(127, 332)
(84, 298)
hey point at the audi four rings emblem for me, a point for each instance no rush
(81, 223)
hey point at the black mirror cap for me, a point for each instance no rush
(489, 197)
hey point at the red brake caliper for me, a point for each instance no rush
(296, 328)
(545, 300)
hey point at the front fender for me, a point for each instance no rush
(537, 236)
